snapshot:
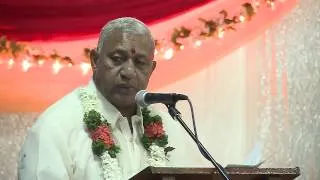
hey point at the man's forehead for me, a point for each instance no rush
(132, 42)
(119, 36)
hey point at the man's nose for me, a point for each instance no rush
(128, 70)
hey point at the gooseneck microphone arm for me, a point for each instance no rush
(175, 114)
(144, 99)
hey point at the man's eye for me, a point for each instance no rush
(116, 59)
(140, 62)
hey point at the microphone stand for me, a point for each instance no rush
(175, 114)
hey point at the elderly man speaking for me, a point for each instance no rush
(98, 132)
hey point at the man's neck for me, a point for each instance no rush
(128, 113)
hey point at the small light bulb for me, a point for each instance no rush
(198, 43)
(220, 33)
(40, 62)
(271, 4)
(85, 67)
(26, 65)
(242, 18)
(56, 66)
(10, 63)
(168, 54)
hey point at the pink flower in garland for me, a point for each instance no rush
(154, 130)
(103, 133)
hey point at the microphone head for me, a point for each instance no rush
(140, 98)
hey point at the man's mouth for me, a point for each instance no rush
(126, 89)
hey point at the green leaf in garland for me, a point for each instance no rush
(92, 119)
(3, 44)
(235, 19)
(16, 48)
(55, 55)
(224, 13)
(249, 10)
(146, 142)
(152, 119)
(228, 21)
(3, 41)
(179, 33)
(86, 53)
(145, 112)
(211, 27)
(68, 60)
(113, 151)
(162, 141)
(231, 28)
(38, 57)
(168, 149)
(147, 118)
(98, 147)
(155, 118)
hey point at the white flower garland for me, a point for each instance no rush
(157, 156)
(110, 166)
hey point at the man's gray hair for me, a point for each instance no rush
(125, 25)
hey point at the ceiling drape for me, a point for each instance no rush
(73, 19)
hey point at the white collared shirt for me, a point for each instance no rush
(57, 147)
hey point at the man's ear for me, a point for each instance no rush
(94, 57)
(154, 65)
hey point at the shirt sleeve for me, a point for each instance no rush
(44, 155)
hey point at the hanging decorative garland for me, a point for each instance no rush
(210, 28)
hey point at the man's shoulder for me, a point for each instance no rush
(64, 111)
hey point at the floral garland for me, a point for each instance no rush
(154, 139)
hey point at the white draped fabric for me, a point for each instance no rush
(263, 97)
(261, 101)
(218, 94)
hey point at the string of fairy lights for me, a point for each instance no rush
(17, 54)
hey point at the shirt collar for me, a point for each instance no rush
(110, 112)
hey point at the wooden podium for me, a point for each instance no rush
(239, 173)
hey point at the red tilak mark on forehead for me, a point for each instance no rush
(133, 50)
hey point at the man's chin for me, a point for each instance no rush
(122, 101)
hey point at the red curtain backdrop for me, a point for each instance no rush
(73, 19)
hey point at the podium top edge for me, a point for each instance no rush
(236, 170)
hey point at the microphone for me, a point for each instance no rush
(144, 98)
